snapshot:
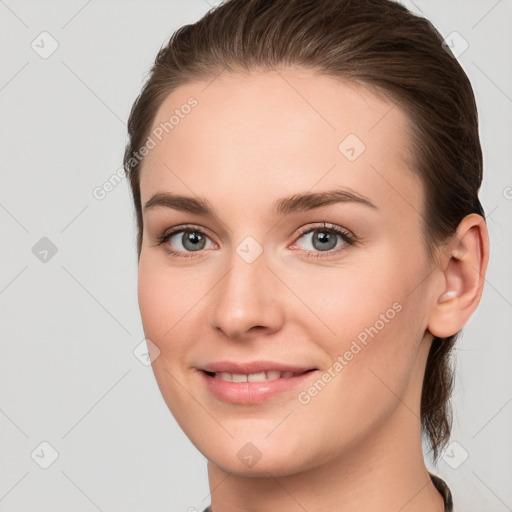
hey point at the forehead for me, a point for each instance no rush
(286, 130)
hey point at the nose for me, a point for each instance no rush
(247, 301)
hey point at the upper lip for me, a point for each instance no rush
(253, 367)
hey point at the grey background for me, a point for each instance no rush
(70, 322)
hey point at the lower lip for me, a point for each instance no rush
(253, 392)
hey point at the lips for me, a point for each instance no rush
(253, 382)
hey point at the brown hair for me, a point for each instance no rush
(376, 43)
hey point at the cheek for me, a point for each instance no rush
(344, 302)
(166, 299)
(378, 294)
(370, 318)
(153, 299)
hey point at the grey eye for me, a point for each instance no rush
(321, 239)
(191, 240)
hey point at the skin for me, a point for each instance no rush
(251, 140)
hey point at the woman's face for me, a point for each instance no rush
(262, 283)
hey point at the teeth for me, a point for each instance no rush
(254, 377)
(273, 375)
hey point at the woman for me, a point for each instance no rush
(305, 177)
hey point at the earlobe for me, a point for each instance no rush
(465, 264)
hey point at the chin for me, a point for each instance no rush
(254, 459)
(276, 466)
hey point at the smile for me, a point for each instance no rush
(259, 386)
(254, 377)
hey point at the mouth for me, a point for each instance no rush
(256, 382)
(262, 376)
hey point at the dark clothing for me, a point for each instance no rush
(439, 484)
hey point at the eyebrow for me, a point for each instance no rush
(285, 206)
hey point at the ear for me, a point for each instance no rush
(465, 261)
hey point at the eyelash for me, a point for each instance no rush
(344, 234)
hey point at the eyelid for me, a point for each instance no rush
(179, 228)
(324, 225)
